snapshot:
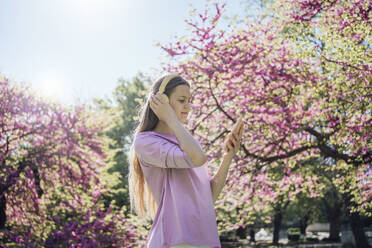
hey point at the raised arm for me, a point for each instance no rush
(232, 145)
(187, 143)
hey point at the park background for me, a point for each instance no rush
(75, 73)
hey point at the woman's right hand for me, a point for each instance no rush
(162, 108)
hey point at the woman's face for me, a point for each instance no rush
(179, 99)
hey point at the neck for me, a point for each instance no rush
(162, 127)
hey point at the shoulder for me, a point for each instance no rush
(148, 135)
(148, 138)
(144, 137)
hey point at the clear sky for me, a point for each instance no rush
(80, 48)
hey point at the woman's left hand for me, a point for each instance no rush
(232, 142)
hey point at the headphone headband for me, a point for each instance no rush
(166, 81)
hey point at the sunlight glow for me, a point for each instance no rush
(52, 89)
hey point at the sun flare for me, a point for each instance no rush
(52, 88)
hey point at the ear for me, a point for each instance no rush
(165, 97)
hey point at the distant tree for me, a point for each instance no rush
(303, 211)
(123, 108)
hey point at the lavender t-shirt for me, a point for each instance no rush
(183, 194)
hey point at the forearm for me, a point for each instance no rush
(187, 143)
(219, 179)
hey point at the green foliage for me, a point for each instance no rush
(121, 109)
(294, 231)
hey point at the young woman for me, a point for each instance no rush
(168, 178)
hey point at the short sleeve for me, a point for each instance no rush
(159, 152)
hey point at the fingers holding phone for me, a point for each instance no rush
(232, 142)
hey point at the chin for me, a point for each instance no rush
(183, 120)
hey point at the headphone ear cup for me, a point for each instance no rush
(165, 97)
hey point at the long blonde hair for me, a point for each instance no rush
(142, 201)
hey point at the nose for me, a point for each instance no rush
(188, 107)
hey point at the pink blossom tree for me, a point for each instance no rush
(298, 102)
(51, 159)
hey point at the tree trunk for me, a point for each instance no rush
(358, 232)
(277, 224)
(303, 224)
(356, 224)
(334, 215)
(333, 212)
(334, 227)
(2, 211)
